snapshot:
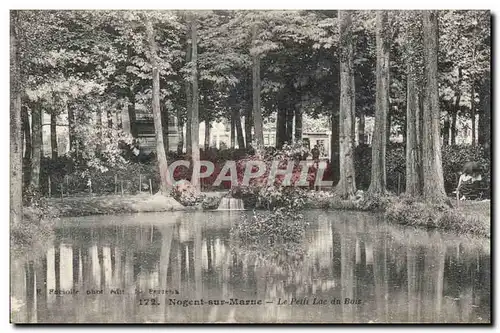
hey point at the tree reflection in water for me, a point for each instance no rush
(399, 274)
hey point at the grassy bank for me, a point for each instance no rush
(470, 217)
(34, 235)
(38, 220)
(112, 204)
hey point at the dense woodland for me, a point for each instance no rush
(416, 72)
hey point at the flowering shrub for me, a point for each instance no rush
(274, 197)
(186, 193)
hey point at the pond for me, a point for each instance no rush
(184, 267)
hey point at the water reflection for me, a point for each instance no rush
(398, 274)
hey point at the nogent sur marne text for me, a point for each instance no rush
(196, 302)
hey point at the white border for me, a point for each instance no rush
(148, 4)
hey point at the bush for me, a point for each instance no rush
(186, 193)
(78, 177)
(210, 203)
(249, 195)
(74, 174)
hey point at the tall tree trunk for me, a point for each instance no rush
(379, 143)
(207, 135)
(160, 148)
(256, 86)
(484, 133)
(388, 127)
(26, 129)
(361, 128)
(335, 144)
(189, 94)
(195, 127)
(118, 114)
(280, 126)
(289, 124)
(232, 136)
(453, 128)
(446, 129)
(180, 133)
(420, 132)
(239, 131)
(473, 113)
(480, 116)
(131, 100)
(36, 121)
(71, 127)
(53, 135)
(433, 190)
(298, 125)
(456, 108)
(346, 186)
(165, 125)
(335, 128)
(248, 128)
(413, 157)
(16, 136)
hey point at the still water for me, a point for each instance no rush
(107, 268)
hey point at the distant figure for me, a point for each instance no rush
(315, 153)
(470, 179)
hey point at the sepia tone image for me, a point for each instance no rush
(250, 166)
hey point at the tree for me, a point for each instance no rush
(36, 121)
(464, 46)
(256, 86)
(206, 144)
(346, 186)
(365, 68)
(411, 42)
(164, 122)
(26, 129)
(484, 129)
(16, 138)
(413, 149)
(160, 148)
(378, 171)
(195, 122)
(189, 90)
(433, 188)
(53, 134)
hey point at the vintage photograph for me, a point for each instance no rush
(250, 166)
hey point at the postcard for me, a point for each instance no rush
(250, 166)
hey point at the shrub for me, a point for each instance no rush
(74, 174)
(249, 195)
(210, 203)
(186, 193)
